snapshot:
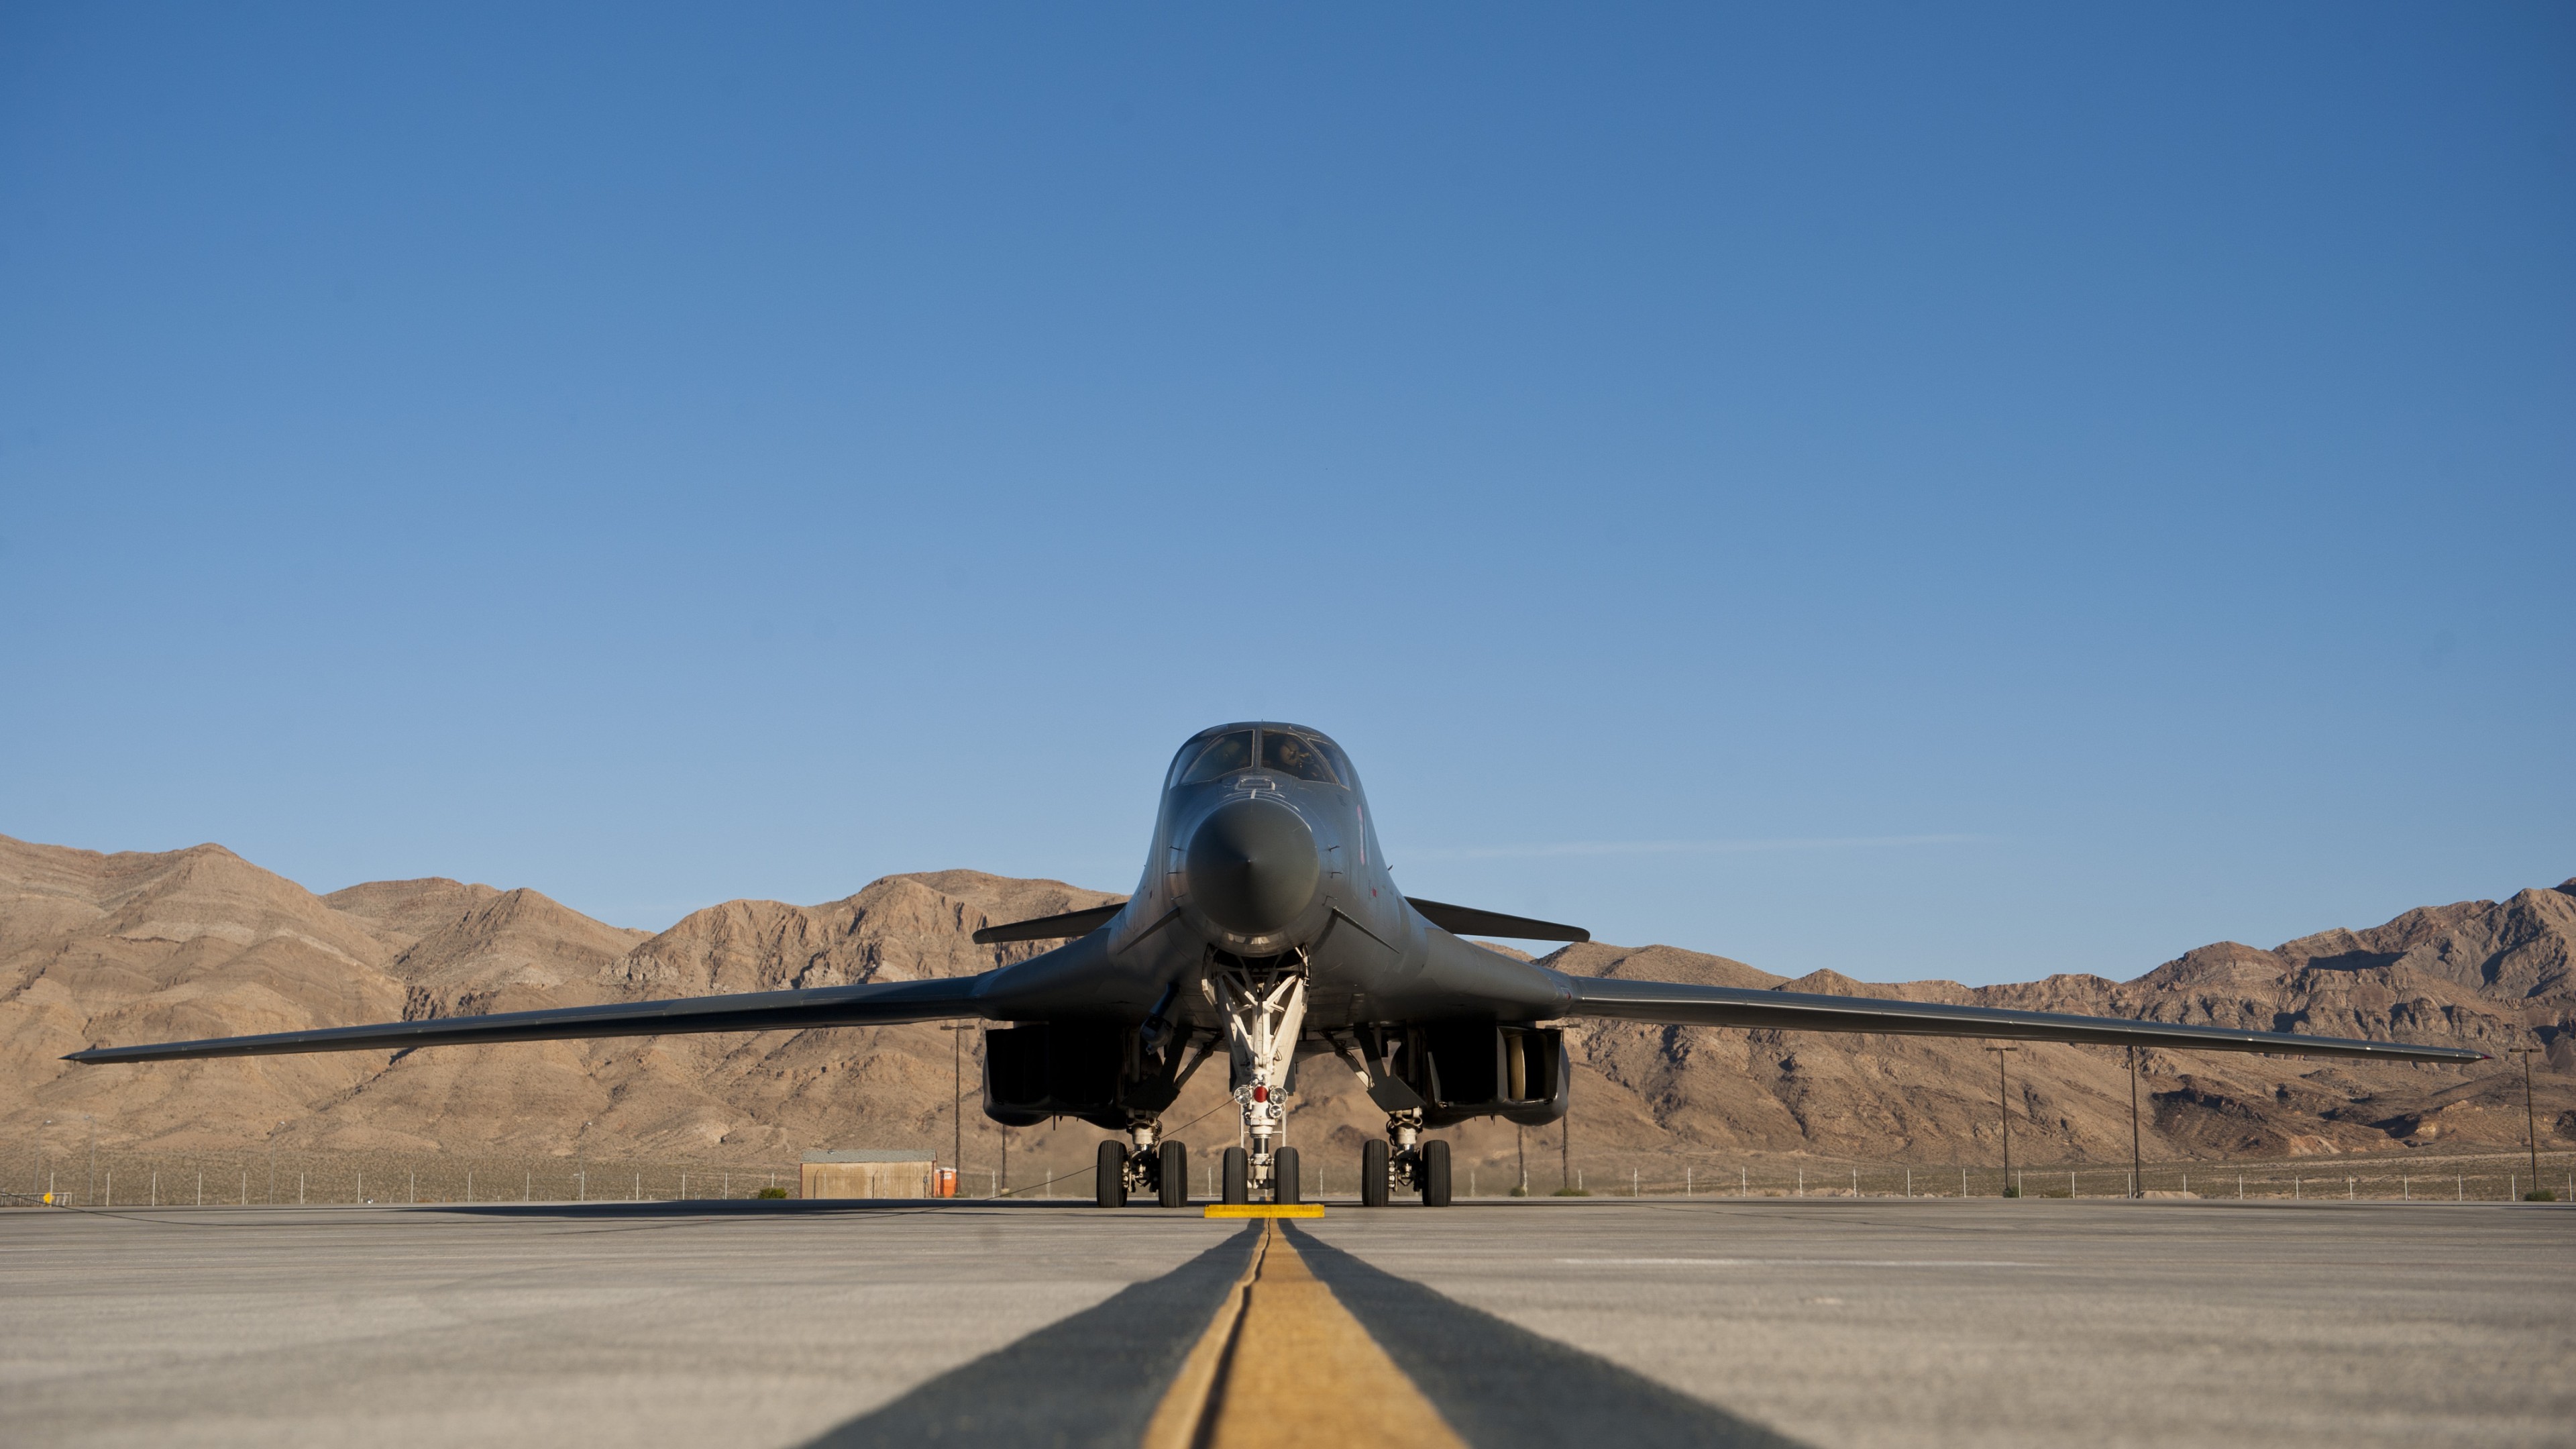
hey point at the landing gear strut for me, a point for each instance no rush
(1261, 1024)
(1404, 1159)
(1145, 1165)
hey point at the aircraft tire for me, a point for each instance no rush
(1173, 1183)
(1284, 1186)
(1373, 1174)
(1435, 1173)
(1238, 1177)
(1109, 1175)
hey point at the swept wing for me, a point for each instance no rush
(1677, 1002)
(873, 1004)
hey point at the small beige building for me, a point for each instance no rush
(867, 1172)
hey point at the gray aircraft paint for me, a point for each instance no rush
(1371, 959)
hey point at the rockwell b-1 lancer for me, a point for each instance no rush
(1267, 924)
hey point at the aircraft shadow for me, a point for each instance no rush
(1091, 1379)
(1499, 1385)
(1095, 1378)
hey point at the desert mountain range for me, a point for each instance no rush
(133, 947)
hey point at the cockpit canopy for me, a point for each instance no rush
(1276, 749)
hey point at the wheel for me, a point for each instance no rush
(1109, 1175)
(1374, 1171)
(1435, 1173)
(1238, 1174)
(1283, 1177)
(1174, 1180)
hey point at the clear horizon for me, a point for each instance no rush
(1920, 495)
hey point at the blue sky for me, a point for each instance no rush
(1969, 493)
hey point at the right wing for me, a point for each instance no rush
(873, 1004)
(1678, 1002)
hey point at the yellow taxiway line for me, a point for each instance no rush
(1264, 1210)
(1284, 1363)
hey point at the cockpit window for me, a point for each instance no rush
(1223, 756)
(1341, 764)
(1293, 755)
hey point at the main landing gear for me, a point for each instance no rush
(1143, 1166)
(1405, 1159)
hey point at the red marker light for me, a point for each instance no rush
(1261, 1094)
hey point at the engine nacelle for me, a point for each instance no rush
(1097, 1072)
(1462, 1070)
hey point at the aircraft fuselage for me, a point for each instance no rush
(1272, 863)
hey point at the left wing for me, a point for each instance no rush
(872, 1004)
(1671, 1001)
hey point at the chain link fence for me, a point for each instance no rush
(123, 1178)
(2483, 1177)
(116, 1178)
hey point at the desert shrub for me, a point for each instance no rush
(2540, 1194)
(775, 1192)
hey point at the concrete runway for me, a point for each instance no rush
(1829, 1322)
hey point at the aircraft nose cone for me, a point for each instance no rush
(1253, 866)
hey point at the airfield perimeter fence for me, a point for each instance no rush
(2501, 1176)
(126, 1178)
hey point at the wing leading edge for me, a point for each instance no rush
(1679, 1003)
(871, 1004)
(893, 1003)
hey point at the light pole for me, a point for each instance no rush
(1565, 1149)
(957, 1094)
(2003, 1113)
(89, 1195)
(2530, 1118)
(2137, 1169)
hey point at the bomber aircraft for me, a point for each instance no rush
(1267, 923)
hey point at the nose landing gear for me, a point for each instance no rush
(1262, 1023)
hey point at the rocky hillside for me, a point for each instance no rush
(2486, 974)
(144, 947)
(199, 942)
